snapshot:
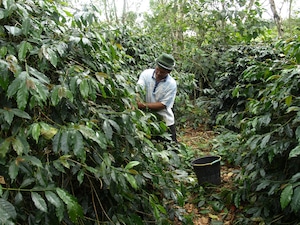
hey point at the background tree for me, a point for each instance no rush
(277, 18)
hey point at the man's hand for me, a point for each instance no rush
(142, 105)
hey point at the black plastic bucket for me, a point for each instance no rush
(207, 169)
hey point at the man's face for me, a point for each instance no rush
(161, 73)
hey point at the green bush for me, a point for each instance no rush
(72, 147)
(264, 136)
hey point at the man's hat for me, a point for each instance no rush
(166, 61)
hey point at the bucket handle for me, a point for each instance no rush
(209, 164)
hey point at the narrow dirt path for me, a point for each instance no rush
(200, 140)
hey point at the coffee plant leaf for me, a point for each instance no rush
(8, 115)
(53, 199)
(5, 147)
(295, 152)
(295, 203)
(286, 196)
(39, 202)
(7, 212)
(17, 145)
(131, 164)
(130, 178)
(13, 169)
(74, 209)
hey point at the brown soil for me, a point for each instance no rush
(200, 140)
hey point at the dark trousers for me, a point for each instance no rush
(172, 130)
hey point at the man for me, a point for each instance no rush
(160, 89)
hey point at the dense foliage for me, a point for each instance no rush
(72, 147)
(257, 114)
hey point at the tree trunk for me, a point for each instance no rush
(124, 11)
(290, 9)
(115, 11)
(106, 11)
(277, 18)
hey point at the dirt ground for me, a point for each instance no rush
(200, 139)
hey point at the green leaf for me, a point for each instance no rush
(295, 177)
(293, 109)
(7, 210)
(78, 146)
(41, 92)
(4, 147)
(286, 196)
(38, 75)
(26, 26)
(288, 100)
(50, 55)
(53, 199)
(26, 182)
(17, 145)
(33, 161)
(295, 152)
(84, 88)
(39, 202)
(15, 31)
(3, 52)
(64, 160)
(107, 129)
(36, 131)
(131, 180)
(64, 145)
(115, 125)
(13, 170)
(18, 198)
(55, 98)
(80, 176)
(89, 133)
(265, 140)
(56, 142)
(131, 164)
(58, 165)
(24, 47)
(5, 77)
(295, 204)
(86, 41)
(74, 39)
(14, 86)
(74, 209)
(61, 48)
(8, 115)
(21, 114)
(22, 96)
(298, 133)
(2, 14)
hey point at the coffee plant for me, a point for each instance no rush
(73, 147)
(260, 131)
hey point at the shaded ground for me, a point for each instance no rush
(199, 140)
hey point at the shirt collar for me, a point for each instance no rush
(163, 80)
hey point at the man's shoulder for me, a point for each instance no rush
(148, 72)
(171, 80)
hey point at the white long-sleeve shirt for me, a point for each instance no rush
(163, 91)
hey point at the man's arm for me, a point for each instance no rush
(156, 106)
